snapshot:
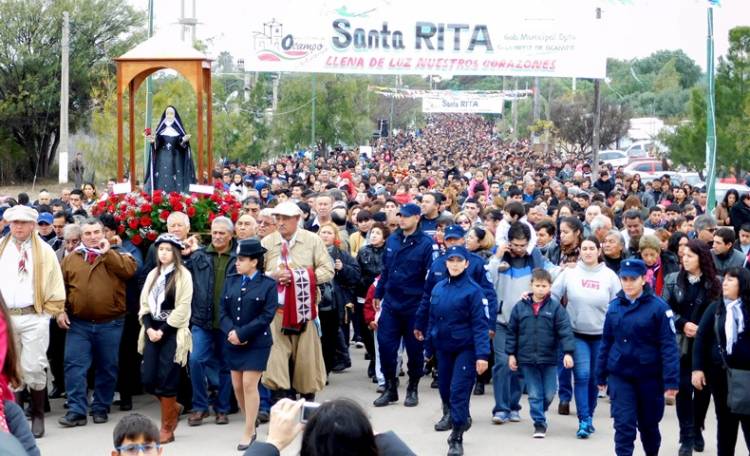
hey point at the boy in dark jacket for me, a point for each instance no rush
(538, 325)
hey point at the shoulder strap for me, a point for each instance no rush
(722, 352)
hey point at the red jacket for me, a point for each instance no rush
(369, 309)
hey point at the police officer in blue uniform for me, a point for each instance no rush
(248, 306)
(458, 326)
(407, 258)
(638, 359)
(454, 236)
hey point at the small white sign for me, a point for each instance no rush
(122, 189)
(203, 189)
(366, 150)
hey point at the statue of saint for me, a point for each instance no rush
(170, 161)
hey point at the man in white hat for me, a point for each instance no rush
(298, 260)
(32, 287)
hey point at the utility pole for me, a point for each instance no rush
(63, 160)
(312, 131)
(535, 109)
(149, 87)
(597, 119)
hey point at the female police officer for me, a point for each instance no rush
(458, 329)
(639, 359)
(249, 305)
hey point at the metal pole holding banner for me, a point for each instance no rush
(312, 130)
(64, 87)
(710, 115)
(597, 120)
(149, 88)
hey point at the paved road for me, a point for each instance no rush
(414, 425)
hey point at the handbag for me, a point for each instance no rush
(738, 381)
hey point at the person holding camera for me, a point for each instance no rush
(336, 427)
(248, 306)
(95, 277)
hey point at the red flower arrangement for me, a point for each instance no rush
(142, 217)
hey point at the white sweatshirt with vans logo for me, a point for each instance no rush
(588, 291)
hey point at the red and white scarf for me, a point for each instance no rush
(299, 295)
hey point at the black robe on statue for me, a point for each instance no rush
(170, 162)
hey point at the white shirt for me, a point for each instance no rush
(17, 289)
(626, 237)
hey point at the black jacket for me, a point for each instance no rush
(249, 309)
(370, 259)
(388, 443)
(740, 214)
(534, 339)
(344, 282)
(201, 265)
(685, 311)
(706, 354)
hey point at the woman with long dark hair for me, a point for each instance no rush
(723, 338)
(724, 209)
(689, 293)
(165, 338)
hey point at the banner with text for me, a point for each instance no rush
(448, 101)
(471, 37)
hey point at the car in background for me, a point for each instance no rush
(644, 167)
(722, 189)
(613, 158)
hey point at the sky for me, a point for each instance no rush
(635, 28)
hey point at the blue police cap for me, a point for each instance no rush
(457, 251)
(454, 232)
(45, 217)
(632, 268)
(409, 210)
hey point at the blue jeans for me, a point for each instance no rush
(564, 379)
(541, 383)
(88, 342)
(506, 384)
(585, 388)
(265, 398)
(207, 349)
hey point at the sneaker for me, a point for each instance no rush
(500, 417)
(359, 345)
(100, 417)
(590, 425)
(72, 419)
(515, 417)
(540, 431)
(583, 430)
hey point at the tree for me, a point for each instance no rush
(688, 143)
(30, 67)
(574, 121)
(339, 118)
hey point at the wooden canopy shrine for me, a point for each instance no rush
(158, 53)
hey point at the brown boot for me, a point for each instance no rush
(170, 411)
(37, 412)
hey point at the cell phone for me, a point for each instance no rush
(308, 410)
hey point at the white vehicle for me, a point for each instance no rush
(614, 158)
(722, 188)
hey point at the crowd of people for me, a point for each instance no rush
(448, 253)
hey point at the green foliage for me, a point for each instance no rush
(30, 41)
(688, 143)
(341, 117)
